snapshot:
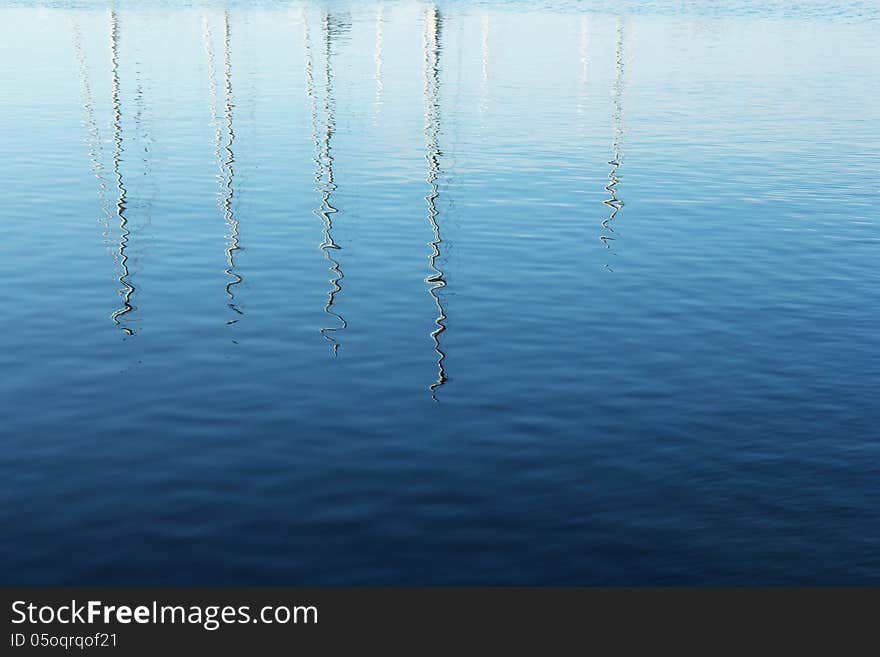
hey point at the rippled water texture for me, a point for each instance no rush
(486, 293)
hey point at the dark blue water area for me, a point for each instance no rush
(605, 307)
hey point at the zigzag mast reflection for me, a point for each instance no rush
(228, 214)
(223, 151)
(127, 289)
(323, 157)
(436, 280)
(616, 155)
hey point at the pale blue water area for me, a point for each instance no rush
(454, 293)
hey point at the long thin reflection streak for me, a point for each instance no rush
(435, 280)
(223, 153)
(584, 75)
(96, 149)
(614, 202)
(127, 289)
(142, 119)
(228, 173)
(322, 135)
(378, 60)
(484, 65)
(208, 39)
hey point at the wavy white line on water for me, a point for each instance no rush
(436, 280)
(127, 288)
(324, 180)
(614, 202)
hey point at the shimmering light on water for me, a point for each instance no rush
(347, 293)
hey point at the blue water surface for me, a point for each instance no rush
(454, 293)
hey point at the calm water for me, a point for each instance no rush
(487, 293)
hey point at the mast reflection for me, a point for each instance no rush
(585, 61)
(224, 137)
(614, 202)
(325, 184)
(127, 288)
(228, 173)
(435, 280)
(93, 133)
(484, 64)
(378, 59)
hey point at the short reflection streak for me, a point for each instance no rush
(142, 129)
(435, 280)
(614, 202)
(378, 60)
(96, 149)
(127, 289)
(324, 181)
(208, 38)
(584, 75)
(484, 65)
